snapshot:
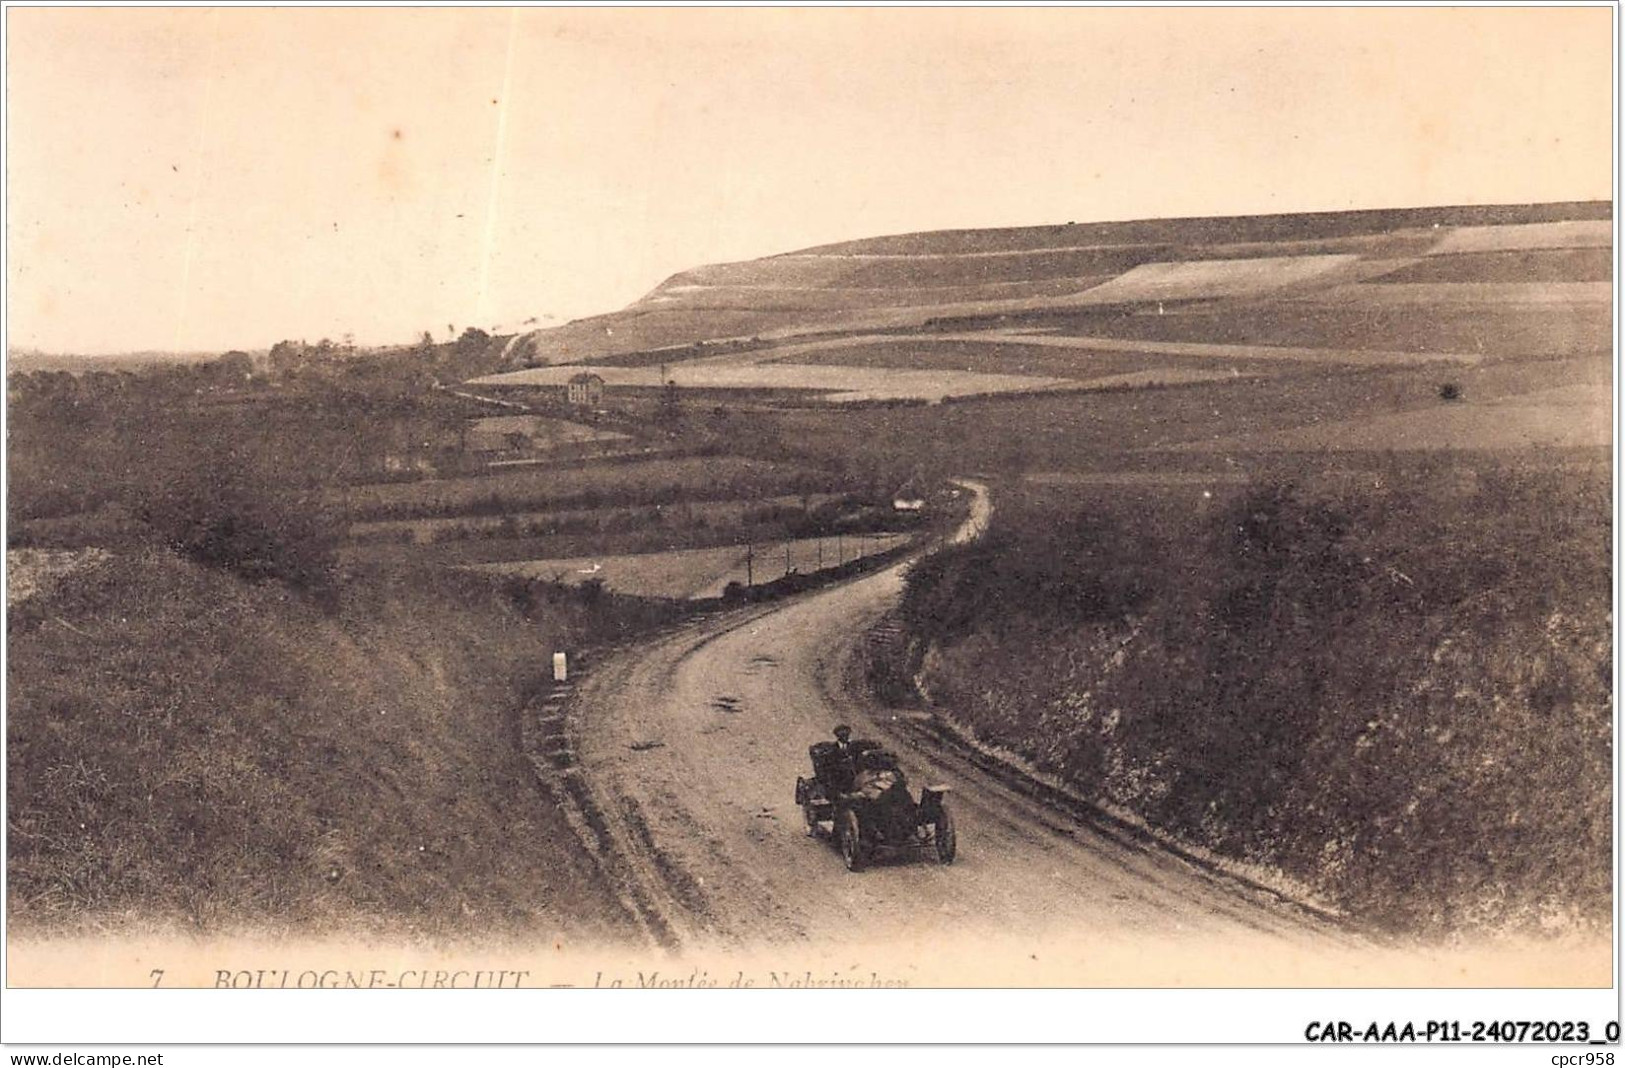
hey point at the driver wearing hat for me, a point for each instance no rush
(845, 759)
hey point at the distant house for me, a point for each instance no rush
(410, 445)
(585, 389)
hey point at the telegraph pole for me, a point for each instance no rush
(750, 555)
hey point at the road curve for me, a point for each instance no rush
(691, 746)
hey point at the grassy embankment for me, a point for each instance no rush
(190, 751)
(1398, 695)
(218, 729)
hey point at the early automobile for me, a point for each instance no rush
(862, 795)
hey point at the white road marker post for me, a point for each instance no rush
(561, 669)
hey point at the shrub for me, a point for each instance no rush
(240, 760)
(236, 511)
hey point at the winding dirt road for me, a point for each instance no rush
(691, 746)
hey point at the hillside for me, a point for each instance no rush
(1296, 518)
(1358, 263)
(294, 627)
(240, 761)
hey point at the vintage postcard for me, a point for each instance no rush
(564, 499)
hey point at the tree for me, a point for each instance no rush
(286, 356)
(472, 344)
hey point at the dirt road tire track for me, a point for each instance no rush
(691, 744)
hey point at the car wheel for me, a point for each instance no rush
(851, 840)
(947, 841)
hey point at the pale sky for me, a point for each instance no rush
(192, 179)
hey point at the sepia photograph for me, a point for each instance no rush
(564, 499)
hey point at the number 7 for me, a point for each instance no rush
(157, 977)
